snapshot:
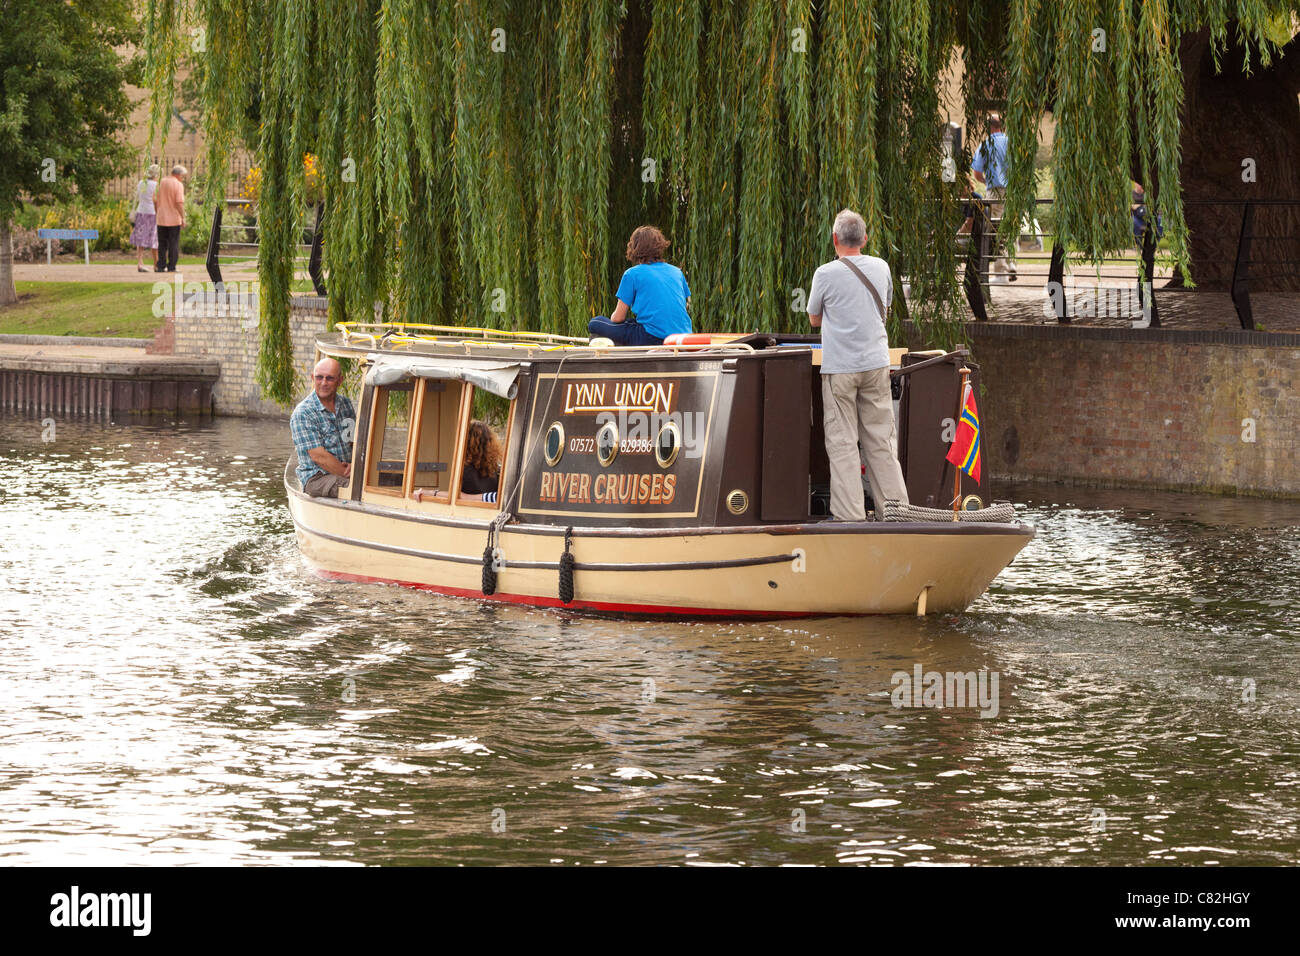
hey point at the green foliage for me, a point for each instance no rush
(484, 162)
(111, 218)
(62, 101)
(198, 226)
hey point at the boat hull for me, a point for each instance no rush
(826, 568)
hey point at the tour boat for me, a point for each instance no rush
(686, 479)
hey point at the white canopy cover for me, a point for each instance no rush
(497, 378)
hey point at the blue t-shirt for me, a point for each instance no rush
(991, 160)
(656, 292)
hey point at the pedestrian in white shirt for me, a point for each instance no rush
(848, 301)
(144, 229)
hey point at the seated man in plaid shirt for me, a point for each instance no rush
(322, 426)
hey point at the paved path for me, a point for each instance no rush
(101, 360)
(1025, 302)
(121, 272)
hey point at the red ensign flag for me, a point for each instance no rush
(965, 450)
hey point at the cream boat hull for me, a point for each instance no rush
(764, 571)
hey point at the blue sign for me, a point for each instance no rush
(68, 233)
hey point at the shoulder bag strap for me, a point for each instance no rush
(870, 288)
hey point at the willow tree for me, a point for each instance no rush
(485, 160)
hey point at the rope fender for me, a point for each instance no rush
(566, 568)
(489, 583)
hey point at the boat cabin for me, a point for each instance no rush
(721, 432)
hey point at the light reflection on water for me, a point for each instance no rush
(179, 689)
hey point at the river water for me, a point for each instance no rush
(178, 688)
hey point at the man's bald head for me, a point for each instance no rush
(325, 380)
(328, 366)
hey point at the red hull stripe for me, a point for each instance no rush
(607, 607)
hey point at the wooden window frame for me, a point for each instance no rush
(378, 434)
(462, 436)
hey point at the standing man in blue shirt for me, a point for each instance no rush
(654, 291)
(322, 427)
(990, 168)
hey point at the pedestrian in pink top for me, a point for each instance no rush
(169, 200)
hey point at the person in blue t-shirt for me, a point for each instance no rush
(654, 291)
(990, 168)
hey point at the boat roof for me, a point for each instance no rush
(373, 340)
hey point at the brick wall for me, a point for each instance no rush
(226, 329)
(1154, 408)
(1123, 407)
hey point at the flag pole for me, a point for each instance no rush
(956, 469)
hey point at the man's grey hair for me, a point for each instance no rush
(850, 230)
(179, 170)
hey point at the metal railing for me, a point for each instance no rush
(222, 248)
(124, 187)
(1254, 244)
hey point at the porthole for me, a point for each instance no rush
(607, 443)
(737, 502)
(668, 444)
(971, 503)
(554, 443)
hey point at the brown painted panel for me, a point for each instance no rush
(639, 399)
(787, 425)
(930, 398)
(743, 458)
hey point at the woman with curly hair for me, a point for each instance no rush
(482, 471)
(654, 291)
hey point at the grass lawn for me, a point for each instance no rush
(89, 308)
(81, 308)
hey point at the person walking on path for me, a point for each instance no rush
(144, 227)
(990, 168)
(858, 410)
(653, 290)
(170, 203)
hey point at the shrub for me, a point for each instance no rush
(110, 217)
(197, 228)
(28, 247)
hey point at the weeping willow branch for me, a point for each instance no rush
(484, 161)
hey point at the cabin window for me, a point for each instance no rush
(438, 412)
(668, 444)
(390, 429)
(482, 452)
(607, 444)
(554, 444)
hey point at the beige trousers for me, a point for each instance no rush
(1002, 263)
(859, 411)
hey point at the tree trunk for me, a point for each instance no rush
(8, 294)
(1229, 118)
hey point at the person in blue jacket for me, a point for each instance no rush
(652, 290)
